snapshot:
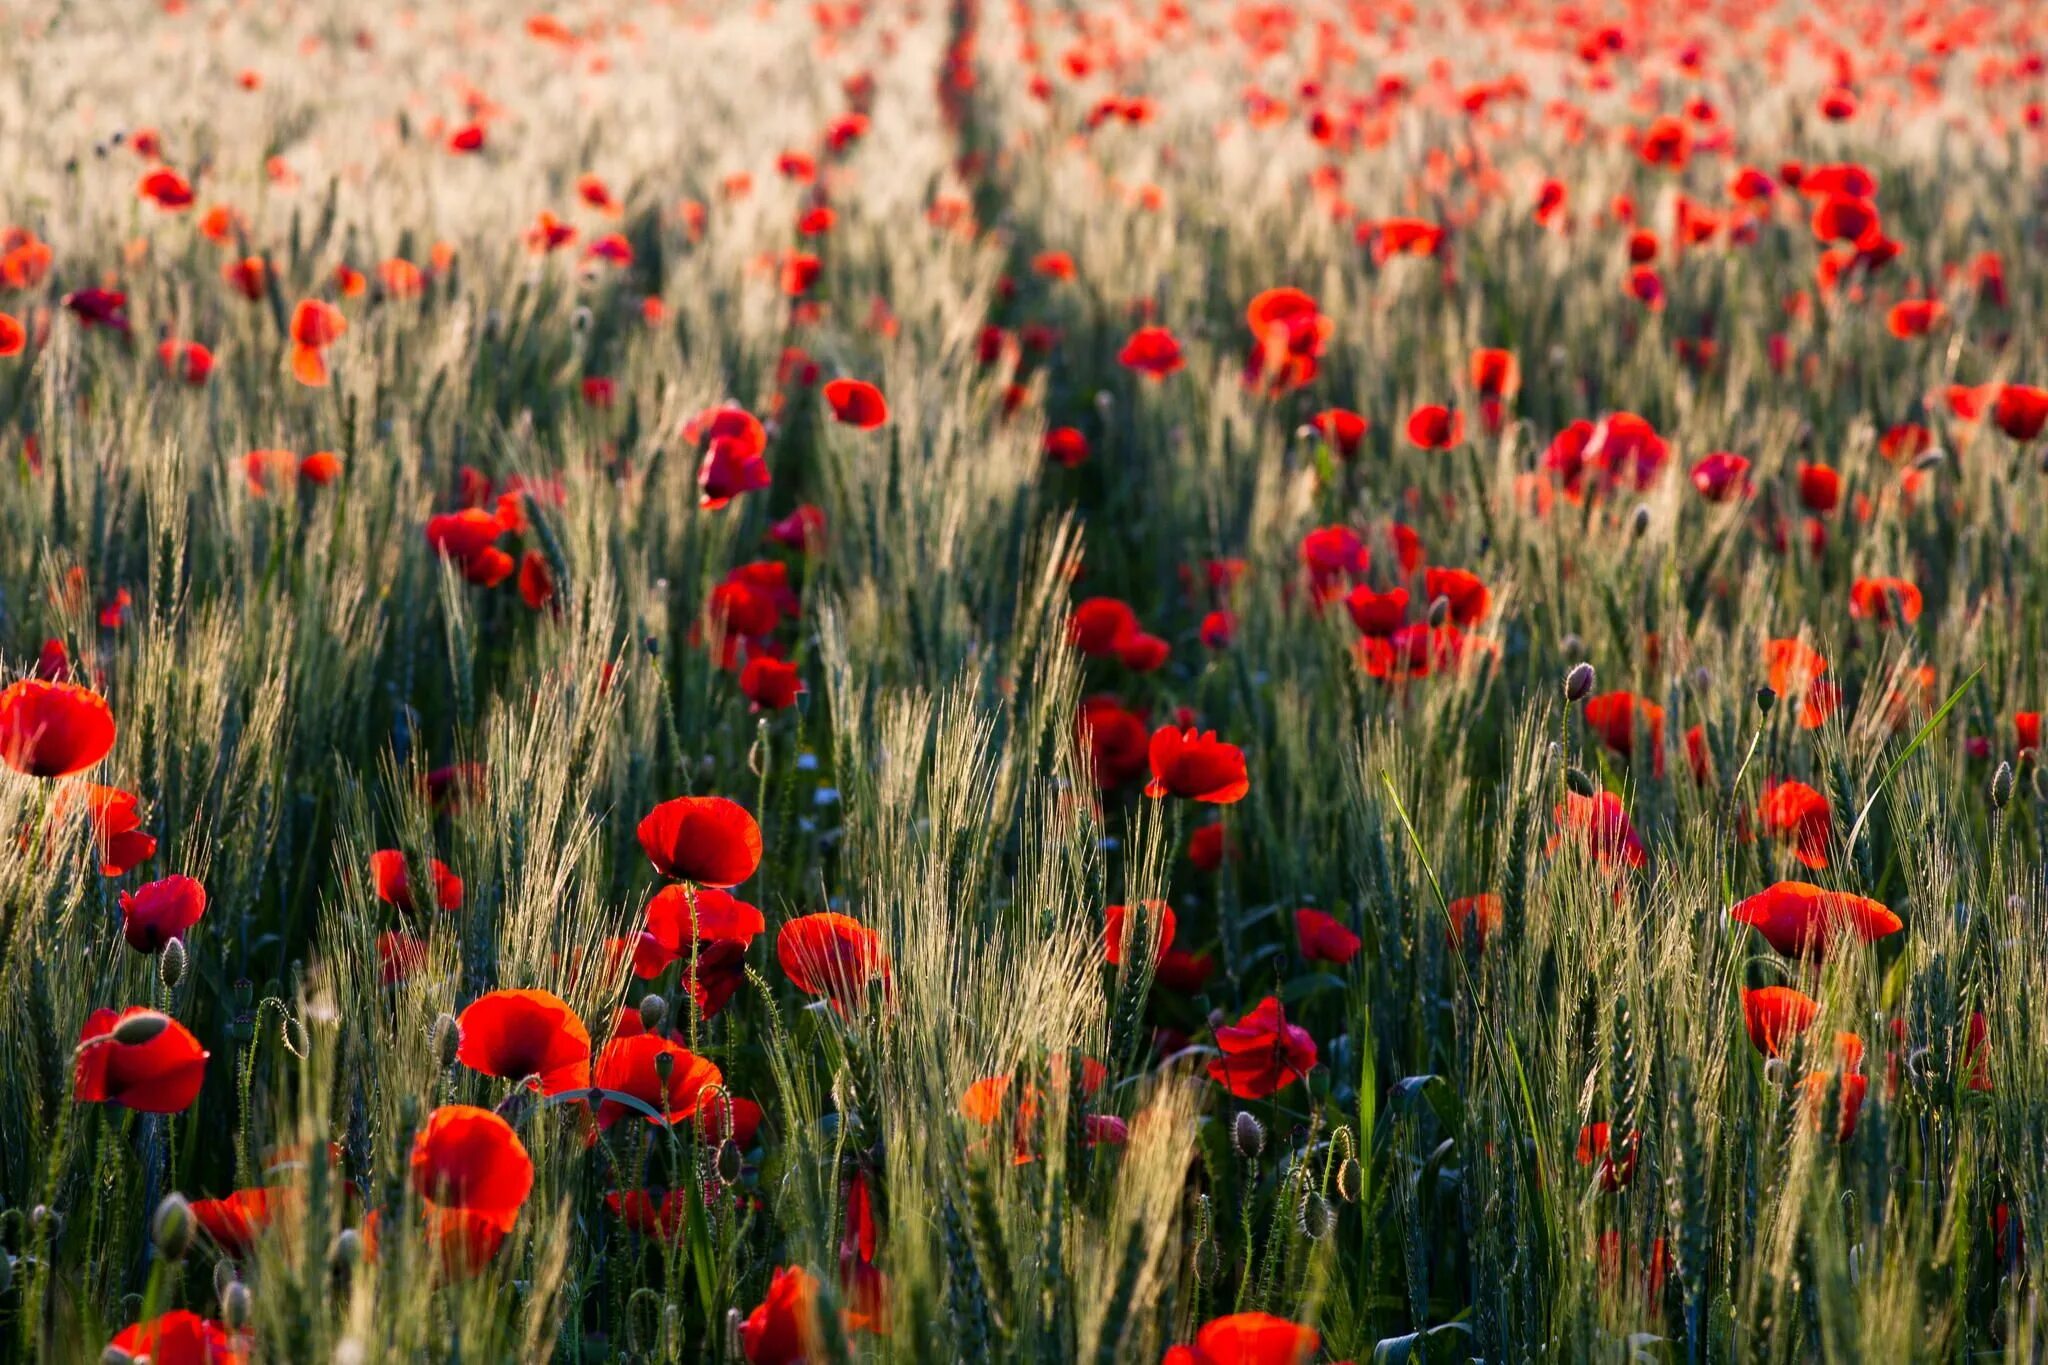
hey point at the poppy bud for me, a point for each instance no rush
(1579, 682)
(447, 1040)
(1104, 401)
(245, 992)
(664, 1066)
(729, 1162)
(43, 1214)
(114, 1355)
(1248, 1134)
(1208, 1260)
(1439, 611)
(2040, 783)
(1766, 698)
(653, 1012)
(170, 967)
(138, 1029)
(345, 1250)
(1701, 679)
(1581, 785)
(244, 1027)
(733, 1319)
(1571, 644)
(1928, 459)
(236, 1307)
(223, 1275)
(1639, 522)
(1317, 1217)
(1350, 1179)
(172, 1226)
(2001, 786)
(1774, 1071)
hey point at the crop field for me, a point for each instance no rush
(1181, 681)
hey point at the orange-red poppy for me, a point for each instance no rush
(140, 1059)
(1197, 766)
(525, 1035)
(1799, 918)
(832, 956)
(704, 839)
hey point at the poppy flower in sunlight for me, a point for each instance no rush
(729, 1118)
(1798, 814)
(635, 1066)
(1799, 918)
(1342, 429)
(1391, 237)
(1288, 335)
(1066, 447)
(1377, 614)
(530, 1036)
(1114, 739)
(2021, 411)
(2026, 727)
(153, 915)
(1481, 916)
(1322, 939)
(1666, 142)
(1495, 373)
(467, 140)
(1616, 717)
(536, 580)
(729, 469)
(234, 1222)
(1153, 352)
(1775, 1015)
(247, 277)
(1853, 1087)
(1646, 287)
(1466, 594)
(1795, 672)
(1820, 488)
(185, 360)
(53, 729)
(13, 336)
(832, 956)
(704, 839)
(474, 1174)
(1247, 1339)
(1100, 626)
(314, 327)
(803, 529)
(1262, 1053)
(166, 189)
(116, 820)
(1597, 1144)
(1887, 601)
(1601, 823)
(1722, 477)
(714, 926)
(1905, 440)
(140, 1059)
(180, 1337)
(782, 1329)
(393, 884)
(1913, 318)
(1844, 218)
(1156, 924)
(856, 403)
(1197, 766)
(549, 234)
(1435, 427)
(399, 956)
(770, 684)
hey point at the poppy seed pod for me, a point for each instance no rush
(729, 1162)
(1316, 1216)
(172, 1226)
(2001, 786)
(1579, 682)
(170, 967)
(664, 1066)
(345, 1250)
(237, 1306)
(1579, 784)
(1350, 1180)
(1766, 698)
(1248, 1134)
(139, 1028)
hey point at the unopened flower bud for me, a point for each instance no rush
(1317, 1217)
(1248, 1134)
(236, 1307)
(1766, 698)
(653, 1012)
(1439, 610)
(729, 1162)
(1350, 1180)
(1578, 783)
(447, 1040)
(138, 1029)
(172, 1227)
(1639, 522)
(170, 967)
(2001, 786)
(1579, 682)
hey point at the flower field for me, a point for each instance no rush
(1180, 681)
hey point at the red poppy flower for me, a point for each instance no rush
(726, 1117)
(1615, 717)
(1820, 488)
(1798, 918)
(1795, 673)
(237, 1220)
(1496, 373)
(718, 926)
(1721, 476)
(153, 915)
(116, 820)
(1913, 317)
(1115, 740)
(1435, 427)
(1377, 614)
(1247, 1339)
(1143, 653)
(857, 403)
(1197, 766)
(166, 189)
(520, 1034)
(832, 956)
(1480, 916)
(13, 336)
(393, 884)
(1596, 1143)
(53, 729)
(96, 307)
(1343, 429)
(782, 1329)
(2021, 411)
(1844, 218)
(803, 529)
(1885, 600)
(1153, 352)
(632, 1066)
(315, 326)
(468, 1162)
(704, 839)
(140, 1059)
(180, 1337)
(1463, 589)
(1855, 1088)
(729, 469)
(1666, 142)
(2027, 729)
(399, 956)
(1066, 447)
(1157, 923)
(1209, 846)
(665, 1218)
(186, 360)
(770, 684)
(1774, 1015)
(1602, 824)
(1100, 626)
(536, 580)
(1796, 812)
(1262, 1053)
(1322, 939)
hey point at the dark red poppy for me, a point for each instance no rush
(1435, 427)
(1115, 740)
(1910, 318)
(856, 403)
(1322, 939)
(770, 684)
(1464, 590)
(180, 1337)
(1343, 429)
(663, 1217)
(13, 336)
(782, 1329)
(235, 1221)
(1066, 447)
(140, 1059)
(399, 956)
(803, 529)
(393, 884)
(1799, 918)
(314, 327)
(1774, 1015)
(1157, 924)
(1480, 916)
(2021, 411)
(53, 729)
(1247, 1339)
(1262, 1053)
(536, 580)
(153, 915)
(633, 1066)
(729, 469)
(704, 839)
(1602, 824)
(1617, 1168)
(116, 820)
(1496, 373)
(1197, 766)
(1210, 846)
(831, 955)
(1820, 488)
(1153, 352)
(525, 1035)
(1143, 652)
(474, 1174)
(1100, 626)
(1616, 716)
(1722, 476)
(718, 927)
